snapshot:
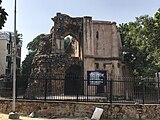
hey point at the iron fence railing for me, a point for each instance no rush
(76, 88)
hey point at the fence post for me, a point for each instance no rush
(77, 89)
(110, 99)
(158, 86)
(45, 92)
(16, 89)
(143, 91)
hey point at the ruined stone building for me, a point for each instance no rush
(74, 46)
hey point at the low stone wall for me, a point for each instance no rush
(81, 109)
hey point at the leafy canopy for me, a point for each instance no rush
(33, 45)
(141, 44)
(3, 16)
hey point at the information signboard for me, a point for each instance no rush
(96, 77)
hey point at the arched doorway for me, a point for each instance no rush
(73, 81)
(72, 46)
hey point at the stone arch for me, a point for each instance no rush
(65, 25)
(71, 34)
(72, 46)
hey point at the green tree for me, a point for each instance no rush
(3, 16)
(26, 68)
(32, 48)
(141, 44)
(68, 45)
(33, 45)
(27, 63)
(19, 37)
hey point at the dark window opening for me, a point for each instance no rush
(8, 71)
(104, 65)
(97, 34)
(8, 48)
(118, 65)
(96, 65)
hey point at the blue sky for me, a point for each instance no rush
(34, 16)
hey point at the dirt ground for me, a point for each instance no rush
(5, 117)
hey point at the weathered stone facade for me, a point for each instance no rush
(81, 109)
(97, 46)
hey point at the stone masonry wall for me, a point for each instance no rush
(81, 109)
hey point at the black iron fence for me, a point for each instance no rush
(76, 88)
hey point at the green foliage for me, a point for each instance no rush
(27, 63)
(26, 67)
(67, 45)
(33, 45)
(141, 44)
(18, 37)
(3, 16)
